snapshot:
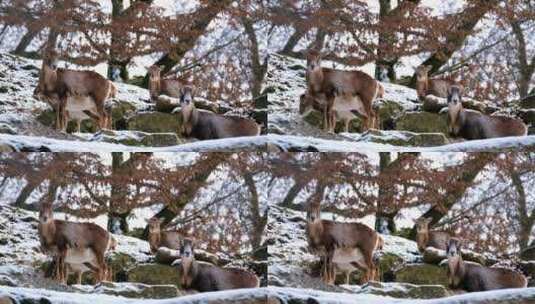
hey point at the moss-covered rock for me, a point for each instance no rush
(387, 112)
(386, 266)
(137, 138)
(120, 111)
(422, 122)
(315, 118)
(6, 148)
(405, 291)
(528, 116)
(119, 264)
(528, 102)
(528, 268)
(155, 122)
(404, 138)
(48, 118)
(154, 274)
(422, 274)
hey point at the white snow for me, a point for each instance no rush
(525, 295)
(286, 142)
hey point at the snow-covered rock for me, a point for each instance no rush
(134, 138)
(271, 295)
(131, 290)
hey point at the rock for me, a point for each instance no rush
(120, 263)
(387, 264)
(48, 118)
(137, 138)
(528, 116)
(120, 111)
(261, 118)
(405, 291)
(6, 148)
(422, 122)
(297, 277)
(155, 122)
(154, 274)
(422, 274)
(7, 281)
(528, 269)
(7, 129)
(435, 104)
(315, 118)
(137, 290)
(387, 111)
(6, 300)
(404, 138)
(528, 102)
(436, 256)
(165, 104)
(528, 254)
(166, 256)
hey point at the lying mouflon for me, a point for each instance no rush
(158, 238)
(426, 238)
(471, 276)
(203, 124)
(471, 124)
(207, 277)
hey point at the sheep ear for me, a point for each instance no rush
(162, 67)
(428, 67)
(428, 219)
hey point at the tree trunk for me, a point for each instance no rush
(115, 62)
(258, 221)
(467, 177)
(385, 40)
(525, 220)
(20, 202)
(116, 218)
(201, 19)
(197, 181)
(467, 21)
(287, 202)
(258, 68)
(526, 68)
(25, 42)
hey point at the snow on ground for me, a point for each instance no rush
(290, 142)
(260, 295)
(284, 142)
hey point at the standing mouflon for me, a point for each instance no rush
(342, 244)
